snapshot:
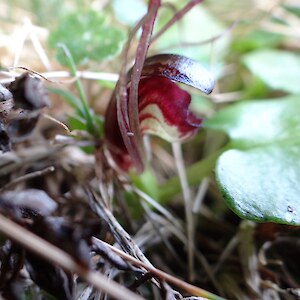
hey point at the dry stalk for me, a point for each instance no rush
(27, 177)
(189, 288)
(177, 151)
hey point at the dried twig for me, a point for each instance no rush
(27, 177)
(189, 288)
(49, 76)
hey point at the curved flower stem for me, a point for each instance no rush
(141, 54)
(177, 152)
(127, 112)
(176, 18)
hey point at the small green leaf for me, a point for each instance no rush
(260, 176)
(77, 123)
(88, 36)
(146, 182)
(278, 69)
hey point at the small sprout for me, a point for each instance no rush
(163, 106)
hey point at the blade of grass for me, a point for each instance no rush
(157, 206)
(85, 108)
(70, 98)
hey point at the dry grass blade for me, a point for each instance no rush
(157, 206)
(189, 288)
(248, 256)
(121, 236)
(188, 206)
(27, 177)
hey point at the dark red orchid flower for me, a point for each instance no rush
(162, 104)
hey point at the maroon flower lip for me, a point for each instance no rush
(163, 105)
(160, 115)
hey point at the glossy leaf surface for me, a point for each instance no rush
(260, 176)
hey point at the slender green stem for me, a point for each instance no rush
(79, 87)
(195, 174)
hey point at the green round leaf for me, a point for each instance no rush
(260, 176)
(262, 184)
(256, 123)
(88, 36)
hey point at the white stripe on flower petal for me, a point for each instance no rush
(156, 125)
